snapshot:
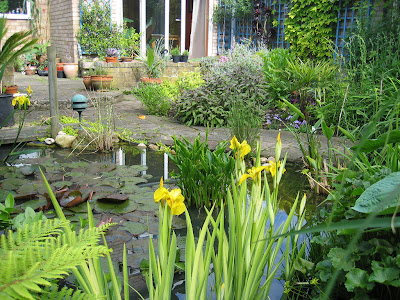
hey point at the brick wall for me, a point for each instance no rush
(64, 23)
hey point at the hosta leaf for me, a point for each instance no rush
(380, 196)
(357, 278)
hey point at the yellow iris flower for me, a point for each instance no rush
(243, 147)
(174, 198)
(252, 173)
(29, 90)
(21, 100)
(272, 168)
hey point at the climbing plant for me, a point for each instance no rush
(309, 29)
(232, 8)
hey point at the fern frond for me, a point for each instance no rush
(33, 256)
(54, 293)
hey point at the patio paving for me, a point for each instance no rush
(127, 110)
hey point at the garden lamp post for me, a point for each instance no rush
(79, 104)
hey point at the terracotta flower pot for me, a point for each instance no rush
(30, 71)
(71, 70)
(101, 82)
(112, 59)
(60, 67)
(12, 89)
(87, 81)
(151, 80)
(126, 59)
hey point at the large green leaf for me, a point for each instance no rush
(358, 278)
(382, 195)
(373, 144)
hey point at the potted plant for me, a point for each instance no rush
(100, 80)
(112, 55)
(176, 55)
(17, 44)
(10, 89)
(184, 56)
(153, 62)
(87, 80)
(30, 63)
(43, 69)
(129, 44)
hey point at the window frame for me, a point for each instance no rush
(26, 16)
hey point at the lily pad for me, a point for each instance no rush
(14, 183)
(133, 227)
(61, 184)
(178, 223)
(148, 206)
(73, 198)
(78, 165)
(34, 204)
(81, 208)
(75, 174)
(114, 198)
(4, 194)
(31, 188)
(124, 207)
(133, 180)
(16, 174)
(129, 189)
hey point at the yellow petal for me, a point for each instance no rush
(244, 149)
(161, 193)
(29, 90)
(178, 208)
(14, 101)
(243, 178)
(278, 139)
(234, 143)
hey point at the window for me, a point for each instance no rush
(15, 9)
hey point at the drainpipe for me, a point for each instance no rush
(183, 26)
(142, 16)
(166, 33)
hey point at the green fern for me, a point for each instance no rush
(32, 257)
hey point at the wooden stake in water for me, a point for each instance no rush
(54, 115)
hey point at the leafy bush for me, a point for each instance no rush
(240, 74)
(154, 98)
(203, 175)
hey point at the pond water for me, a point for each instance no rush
(127, 171)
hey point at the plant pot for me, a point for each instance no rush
(71, 70)
(176, 58)
(12, 89)
(111, 59)
(101, 82)
(87, 81)
(126, 59)
(42, 58)
(184, 58)
(43, 73)
(30, 71)
(6, 109)
(151, 80)
(60, 67)
(60, 74)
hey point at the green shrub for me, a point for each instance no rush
(153, 98)
(239, 73)
(203, 175)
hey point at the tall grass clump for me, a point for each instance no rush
(238, 73)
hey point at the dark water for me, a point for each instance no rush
(158, 165)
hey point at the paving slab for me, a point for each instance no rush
(127, 109)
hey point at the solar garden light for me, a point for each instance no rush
(79, 104)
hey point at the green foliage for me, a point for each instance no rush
(69, 130)
(97, 32)
(232, 8)
(308, 27)
(202, 175)
(240, 75)
(5, 212)
(154, 99)
(175, 51)
(28, 217)
(245, 122)
(154, 61)
(17, 44)
(66, 120)
(3, 6)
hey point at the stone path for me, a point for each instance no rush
(127, 109)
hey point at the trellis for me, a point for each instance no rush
(231, 31)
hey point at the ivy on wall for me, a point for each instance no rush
(309, 27)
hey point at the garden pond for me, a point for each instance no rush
(120, 185)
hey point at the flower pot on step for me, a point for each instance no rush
(87, 81)
(12, 89)
(101, 82)
(71, 70)
(111, 59)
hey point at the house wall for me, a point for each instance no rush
(15, 25)
(64, 23)
(214, 38)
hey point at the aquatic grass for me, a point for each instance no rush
(203, 175)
